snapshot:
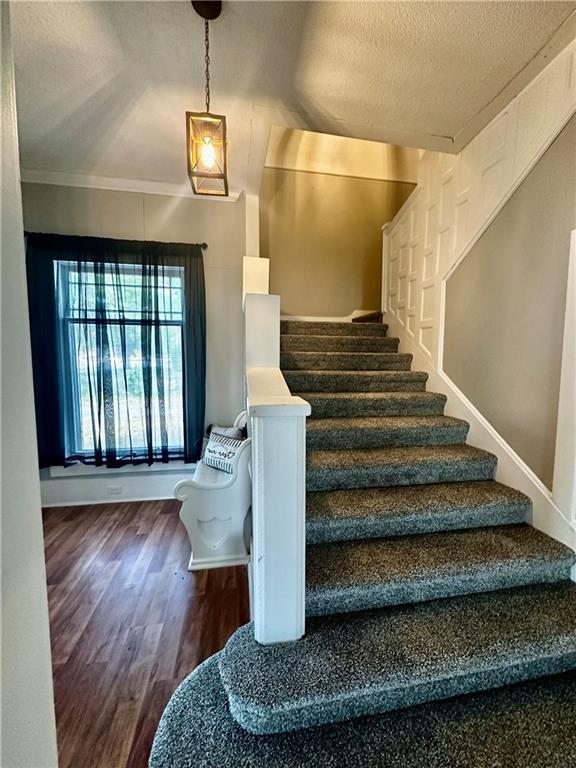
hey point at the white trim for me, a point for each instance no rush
(340, 319)
(87, 470)
(111, 500)
(225, 562)
(140, 186)
(564, 482)
(546, 516)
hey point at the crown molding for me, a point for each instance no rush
(139, 186)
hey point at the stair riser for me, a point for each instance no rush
(345, 361)
(303, 328)
(474, 579)
(290, 342)
(561, 659)
(385, 438)
(376, 527)
(304, 381)
(326, 409)
(400, 474)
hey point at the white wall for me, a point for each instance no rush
(456, 199)
(28, 726)
(139, 216)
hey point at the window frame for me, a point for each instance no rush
(72, 422)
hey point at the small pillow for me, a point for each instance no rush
(234, 432)
(221, 452)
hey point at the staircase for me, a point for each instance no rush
(424, 582)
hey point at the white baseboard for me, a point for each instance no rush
(341, 319)
(116, 486)
(202, 565)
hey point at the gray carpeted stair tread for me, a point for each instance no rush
(335, 404)
(373, 573)
(345, 361)
(384, 431)
(309, 343)
(408, 510)
(377, 661)
(415, 465)
(528, 725)
(355, 381)
(319, 328)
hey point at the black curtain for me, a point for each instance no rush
(118, 331)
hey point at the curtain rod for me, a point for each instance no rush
(203, 246)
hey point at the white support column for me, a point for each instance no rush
(255, 276)
(279, 512)
(262, 322)
(564, 483)
(278, 430)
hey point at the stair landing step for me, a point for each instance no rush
(320, 328)
(374, 573)
(412, 509)
(392, 658)
(469, 731)
(338, 469)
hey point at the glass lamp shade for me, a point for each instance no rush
(206, 145)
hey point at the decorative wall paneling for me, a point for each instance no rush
(456, 199)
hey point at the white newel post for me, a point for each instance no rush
(278, 430)
(279, 511)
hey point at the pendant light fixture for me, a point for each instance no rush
(205, 131)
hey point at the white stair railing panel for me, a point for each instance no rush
(277, 422)
(278, 509)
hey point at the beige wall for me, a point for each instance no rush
(505, 309)
(296, 150)
(322, 234)
(28, 729)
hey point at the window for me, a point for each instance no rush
(118, 333)
(121, 351)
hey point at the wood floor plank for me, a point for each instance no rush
(128, 622)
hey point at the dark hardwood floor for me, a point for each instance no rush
(128, 622)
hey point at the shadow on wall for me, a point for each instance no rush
(322, 234)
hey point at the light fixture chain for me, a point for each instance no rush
(207, 60)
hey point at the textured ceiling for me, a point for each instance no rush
(102, 87)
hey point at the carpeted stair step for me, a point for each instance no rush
(374, 573)
(332, 470)
(391, 658)
(345, 361)
(318, 328)
(292, 342)
(407, 510)
(356, 381)
(384, 432)
(528, 725)
(350, 404)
